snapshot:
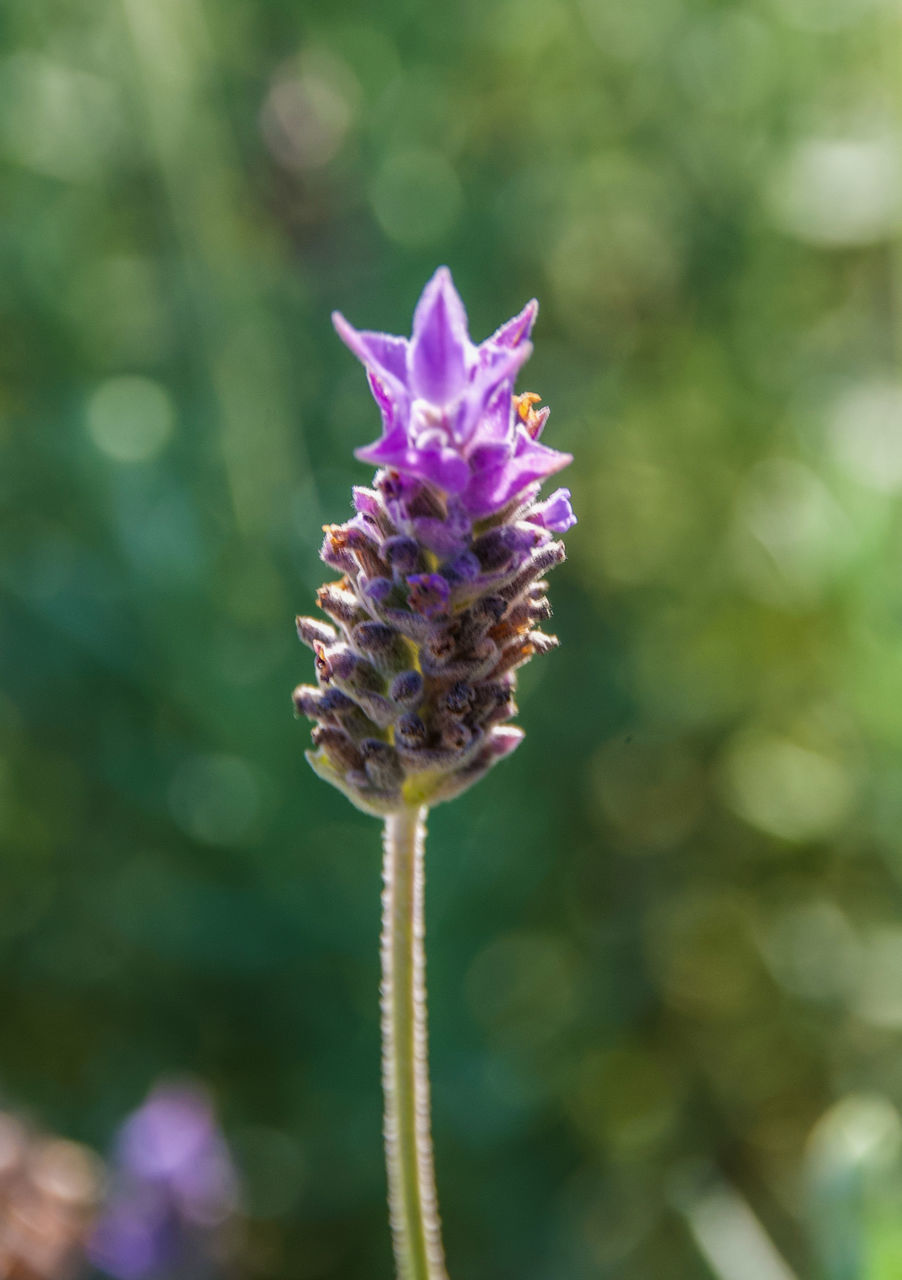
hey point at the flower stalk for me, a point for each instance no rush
(413, 1204)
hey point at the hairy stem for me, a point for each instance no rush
(416, 1228)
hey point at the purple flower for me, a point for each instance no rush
(174, 1190)
(555, 513)
(442, 593)
(449, 416)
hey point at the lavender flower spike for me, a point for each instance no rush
(440, 600)
(442, 565)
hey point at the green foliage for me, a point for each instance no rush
(665, 941)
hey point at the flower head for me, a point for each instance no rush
(449, 416)
(442, 592)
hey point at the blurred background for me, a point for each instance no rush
(665, 939)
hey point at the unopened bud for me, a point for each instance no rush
(407, 689)
(410, 731)
(334, 550)
(541, 560)
(312, 632)
(342, 752)
(308, 701)
(367, 501)
(459, 698)
(402, 554)
(382, 644)
(497, 548)
(381, 763)
(341, 605)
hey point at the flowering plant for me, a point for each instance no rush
(440, 600)
(174, 1192)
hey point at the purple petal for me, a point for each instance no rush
(390, 406)
(488, 464)
(486, 405)
(439, 347)
(389, 451)
(366, 502)
(479, 495)
(444, 468)
(532, 461)
(496, 362)
(555, 513)
(397, 490)
(496, 424)
(494, 487)
(518, 329)
(381, 353)
(487, 458)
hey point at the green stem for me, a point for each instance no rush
(416, 1228)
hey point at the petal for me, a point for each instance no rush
(494, 486)
(495, 426)
(439, 348)
(493, 360)
(531, 461)
(393, 444)
(388, 404)
(518, 329)
(485, 407)
(479, 496)
(382, 353)
(381, 395)
(490, 456)
(390, 451)
(444, 468)
(555, 513)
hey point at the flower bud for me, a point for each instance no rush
(407, 689)
(402, 554)
(312, 632)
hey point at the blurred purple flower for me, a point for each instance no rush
(174, 1191)
(448, 412)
